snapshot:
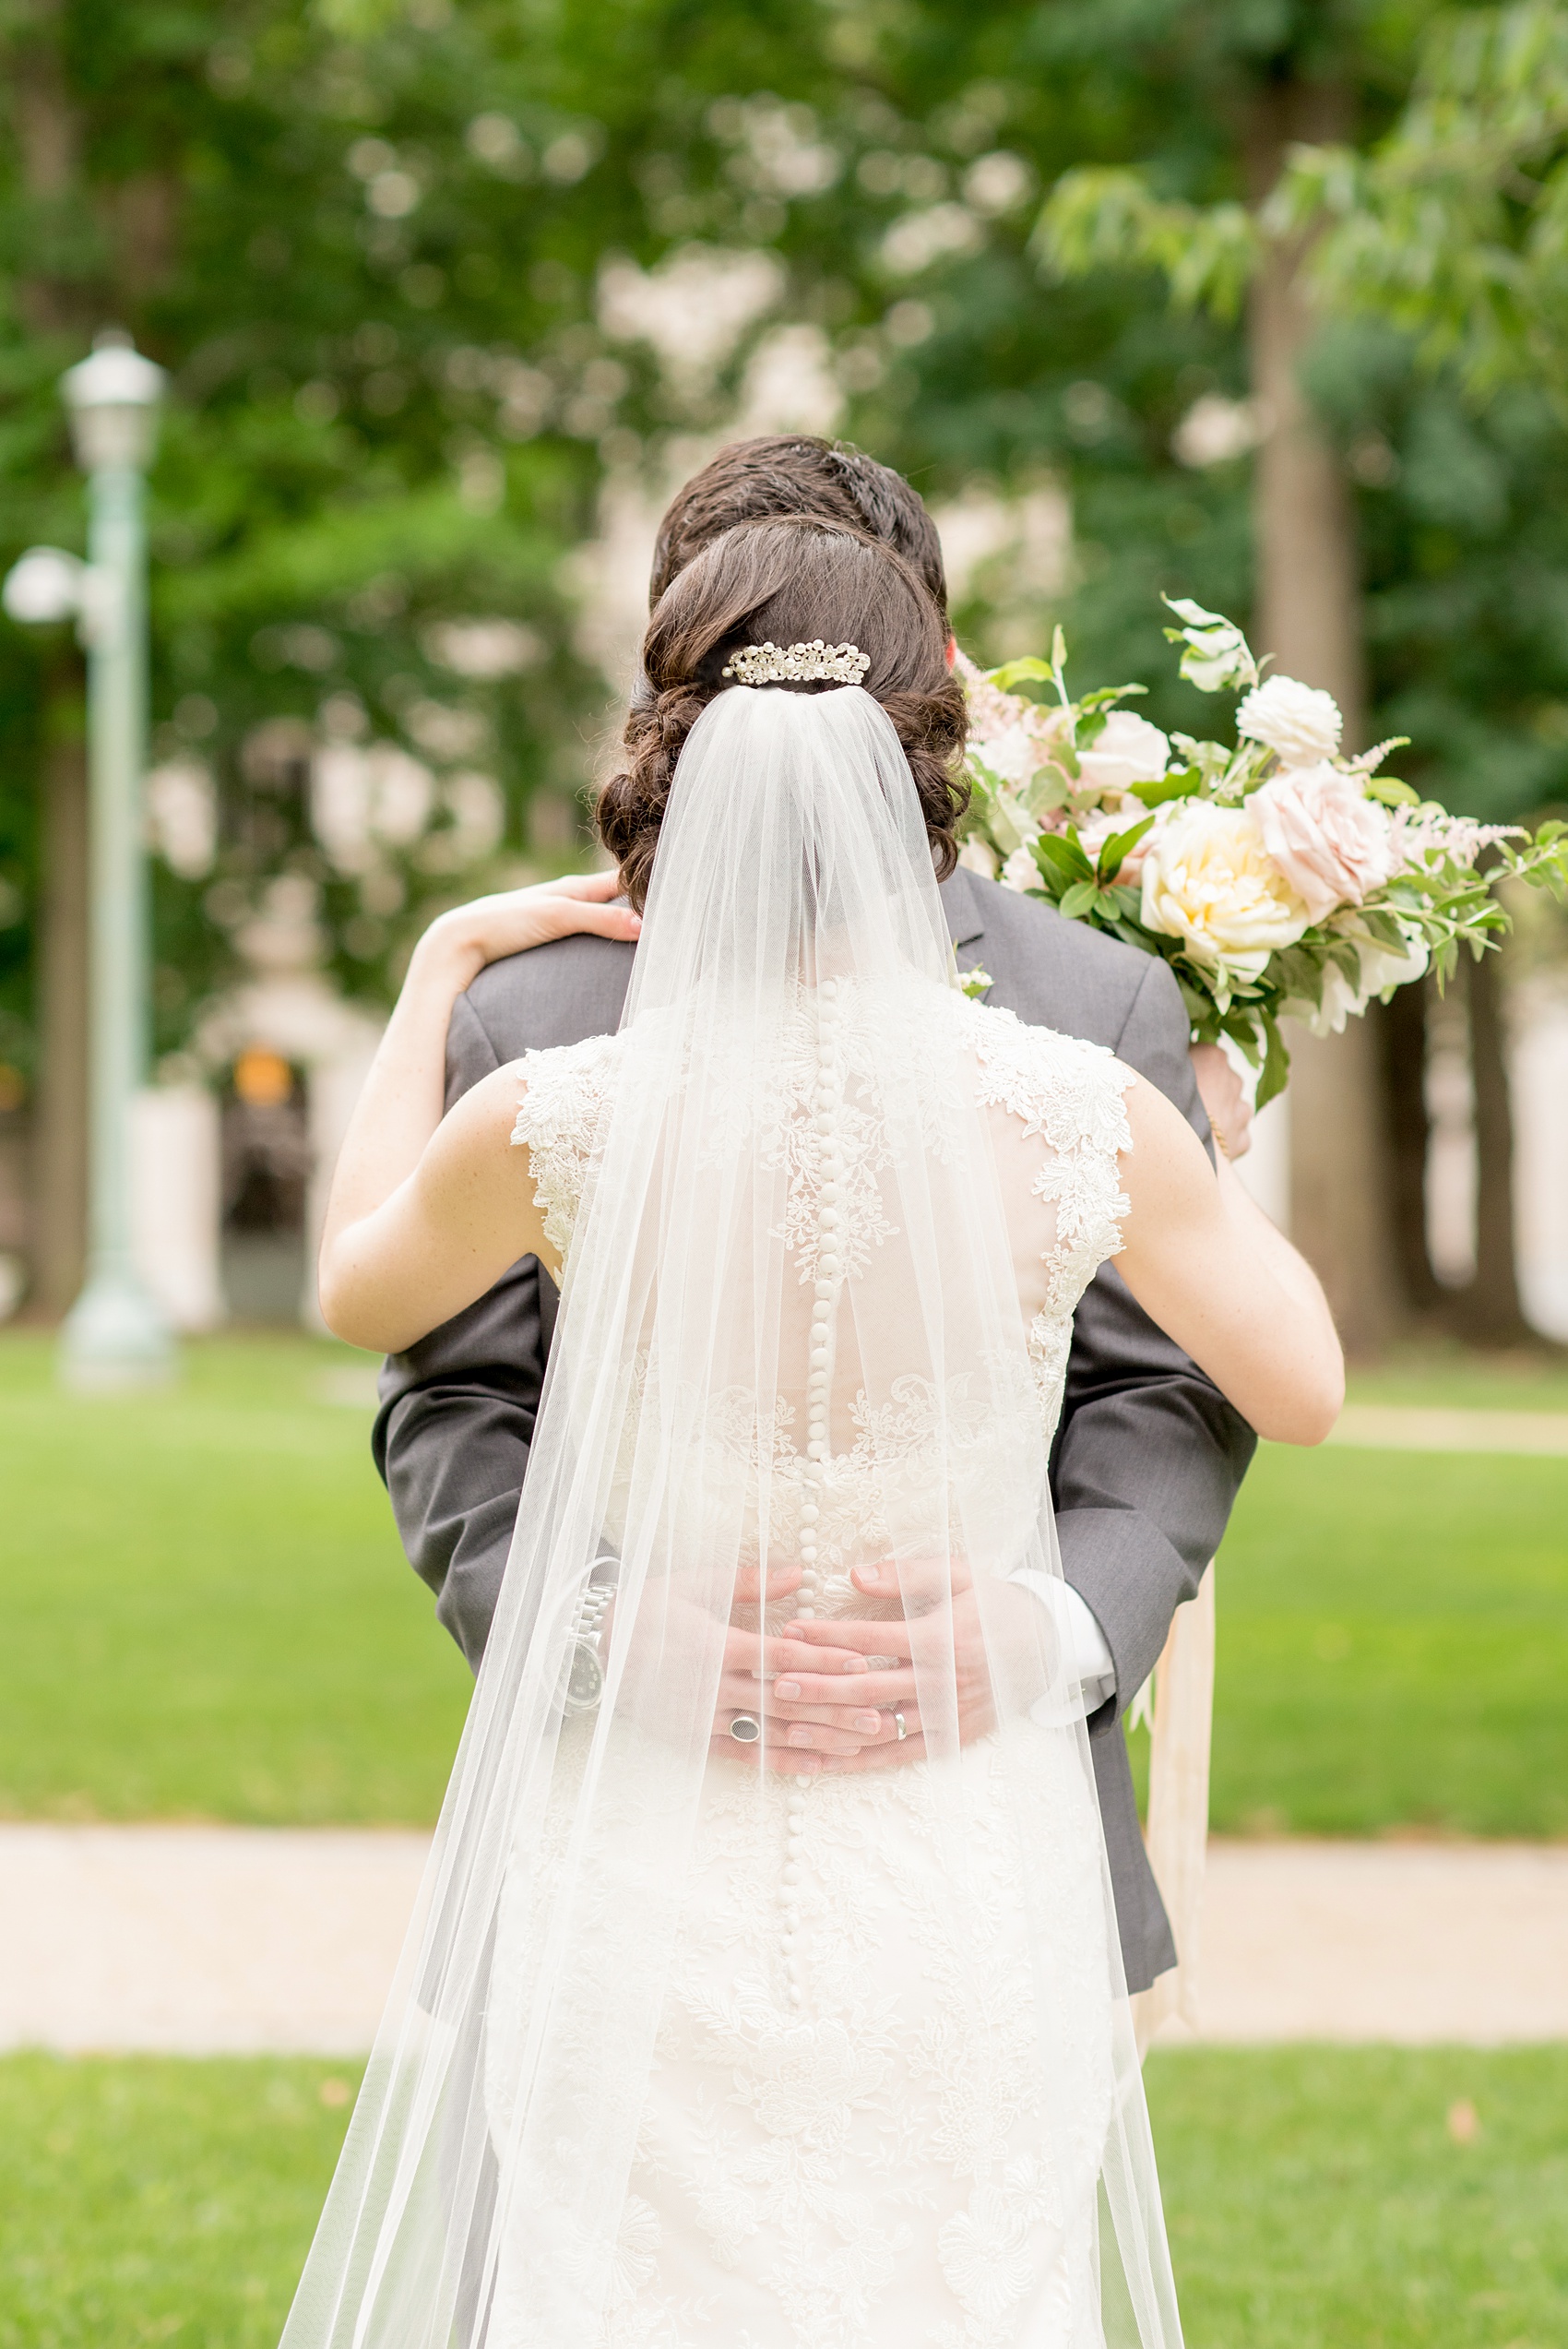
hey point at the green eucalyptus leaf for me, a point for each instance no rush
(1029, 669)
(1390, 790)
(1297, 971)
(1077, 901)
(1048, 790)
(1180, 783)
(1276, 1064)
(1062, 859)
(1115, 851)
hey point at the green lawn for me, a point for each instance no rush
(1394, 1645)
(147, 2198)
(1316, 2198)
(208, 1615)
(207, 1611)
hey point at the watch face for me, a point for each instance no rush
(585, 1681)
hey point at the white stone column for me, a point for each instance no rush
(176, 1201)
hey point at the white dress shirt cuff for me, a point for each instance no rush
(1085, 1651)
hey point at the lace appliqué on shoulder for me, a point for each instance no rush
(560, 1120)
(1070, 1095)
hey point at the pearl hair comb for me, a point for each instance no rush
(777, 664)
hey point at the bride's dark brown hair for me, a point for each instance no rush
(787, 581)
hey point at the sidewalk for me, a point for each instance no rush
(206, 1940)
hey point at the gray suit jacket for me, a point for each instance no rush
(1148, 1457)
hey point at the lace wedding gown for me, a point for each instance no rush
(842, 2144)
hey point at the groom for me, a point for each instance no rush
(1149, 1455)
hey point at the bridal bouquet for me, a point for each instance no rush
(1276, 876)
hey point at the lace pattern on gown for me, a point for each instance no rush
(1065, 1093)
(861, 2166)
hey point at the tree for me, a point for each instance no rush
(418, 272)
(1326, 231)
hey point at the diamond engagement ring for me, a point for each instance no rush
(745, 1728)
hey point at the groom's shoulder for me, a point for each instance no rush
(1052, 972)
(552, 995)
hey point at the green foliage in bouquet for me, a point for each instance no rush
(1275, 877)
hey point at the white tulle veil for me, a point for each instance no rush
(789, 1249)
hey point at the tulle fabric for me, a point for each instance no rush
(789, 1271)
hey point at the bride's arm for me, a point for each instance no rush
(425, 1213)
(1203, 1261)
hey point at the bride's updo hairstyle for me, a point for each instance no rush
(787, 581)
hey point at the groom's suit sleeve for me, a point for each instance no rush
(457, 1412)
(1149, 1455)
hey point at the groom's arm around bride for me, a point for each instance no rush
(1148, 1456)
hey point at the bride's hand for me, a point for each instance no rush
(1229, 1111)
(463, 940)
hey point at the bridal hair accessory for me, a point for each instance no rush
(779, 664)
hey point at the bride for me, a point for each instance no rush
(730, 2042)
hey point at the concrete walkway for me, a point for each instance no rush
(200, 1940)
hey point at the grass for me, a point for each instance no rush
(1316, 2199)
(150, 2198)
(1439, 1372)
(1394, 1645)
(208, 1613)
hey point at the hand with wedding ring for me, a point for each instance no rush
(944, 1636)
(748, 1726)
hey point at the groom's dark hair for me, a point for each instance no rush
(781, 474)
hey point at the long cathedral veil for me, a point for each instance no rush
(789, 1275)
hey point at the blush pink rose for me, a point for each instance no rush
(1333, 846)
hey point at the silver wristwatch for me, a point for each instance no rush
(585, 1673)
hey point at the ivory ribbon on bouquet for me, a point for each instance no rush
(1182, 1730)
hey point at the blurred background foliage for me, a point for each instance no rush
(451, 291)
(377, 246)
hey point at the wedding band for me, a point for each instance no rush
(903, 1726)
(745, 1729)
(881, 1664)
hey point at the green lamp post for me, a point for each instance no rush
(115, 1333)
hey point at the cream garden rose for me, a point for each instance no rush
(1208, 878)
(1333, 844)
(1300, 724)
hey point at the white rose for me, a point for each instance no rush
(1012, 757)
(1128, 751)
(1208, 878)
(1020, 872)
(1297, 721)
(1333, 844)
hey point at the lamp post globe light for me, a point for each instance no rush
(115, 1333)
